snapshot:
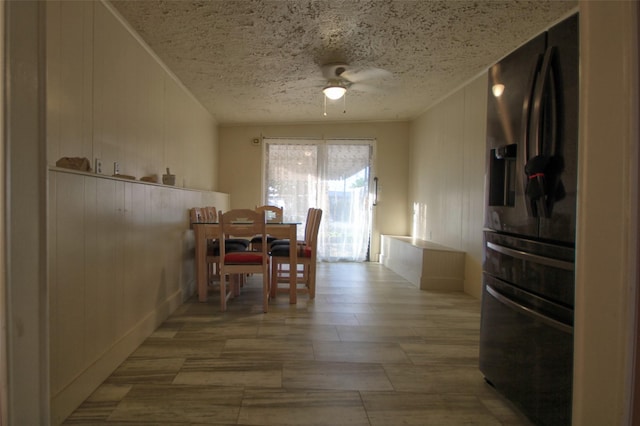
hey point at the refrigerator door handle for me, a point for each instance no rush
(547, 85)
(526, 109)
(523, 255)
(529, 312)
(539, 169)
(526, 124)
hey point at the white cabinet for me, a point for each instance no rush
(120, 261)
(428, 265)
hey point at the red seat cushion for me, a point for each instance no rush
(241, 257)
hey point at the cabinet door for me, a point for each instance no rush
(138, 298)
(103, 242)
(67, 280)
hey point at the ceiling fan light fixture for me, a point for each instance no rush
(334, 90)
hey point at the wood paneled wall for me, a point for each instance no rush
(446, 176)
(109, 97)
(120, 261)
(120, 252)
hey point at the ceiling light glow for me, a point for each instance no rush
(334, 91)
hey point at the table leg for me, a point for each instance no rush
(293, 266)
(201, 262)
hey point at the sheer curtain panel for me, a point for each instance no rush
(333, 175)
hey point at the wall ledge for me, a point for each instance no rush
(111, 177)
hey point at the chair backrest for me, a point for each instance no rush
(210, 214)
(196, 215)
(203, 214)
(311, 239)
(274, 214)
(242, 223)
(309, 223)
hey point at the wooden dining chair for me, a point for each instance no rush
(274, 214)
(210, 215)
(196, 215)
(202, 215)
(242, 223)
(307, 252)
(307, 229)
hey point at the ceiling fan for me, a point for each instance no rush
(341, 76)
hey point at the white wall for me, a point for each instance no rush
(241, 170)
(109, 97)
(25, 202)
(607, 241)
(121, 259)
(446, 176)
(4, 416)
(120, 252)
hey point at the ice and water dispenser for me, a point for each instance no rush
(502, 175)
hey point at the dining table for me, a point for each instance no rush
(204, 231)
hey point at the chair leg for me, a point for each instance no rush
(293, 290)
(274, 278)
(213, 272)
(265, 290)
(312, 281)
(237, 280)
(228, 294)
(223, 294)
(303, 274)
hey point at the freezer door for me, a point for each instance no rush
(507, 116)
(543, 269)
(527, 356)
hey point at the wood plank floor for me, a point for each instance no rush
(371, 349)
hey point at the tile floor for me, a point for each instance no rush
(371, 349)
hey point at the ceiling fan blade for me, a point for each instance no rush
(355, 75)
(366, 88)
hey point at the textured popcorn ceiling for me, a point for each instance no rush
(259, 61)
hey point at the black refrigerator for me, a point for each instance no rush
(526, 332)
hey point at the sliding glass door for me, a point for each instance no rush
(333, 175)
